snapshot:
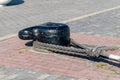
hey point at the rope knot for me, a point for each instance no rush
(95, 52)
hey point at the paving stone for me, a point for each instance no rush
(23, 74)
(107, 24)
(51, 77)
(10, 70)
(43, 77)
(73, 66)
(29, 13)
(10, 77)
(65, 78)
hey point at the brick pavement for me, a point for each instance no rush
(18, 55)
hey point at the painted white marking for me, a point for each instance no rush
(91, 14)
(2, 76)
(41, 77)
(73, 19)
(10, 77)
(116, 57)
(7, 37)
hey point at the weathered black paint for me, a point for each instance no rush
(53, 33)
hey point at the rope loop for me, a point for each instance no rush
(95, 52)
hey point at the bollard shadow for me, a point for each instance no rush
(29, 44)
(15, 2)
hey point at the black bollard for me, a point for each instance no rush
(52, 33)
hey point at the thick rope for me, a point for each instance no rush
(77, 48)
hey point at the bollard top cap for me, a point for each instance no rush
(51, 25)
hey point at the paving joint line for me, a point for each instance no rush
(91, 14)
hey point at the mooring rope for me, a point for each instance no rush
(76, 48)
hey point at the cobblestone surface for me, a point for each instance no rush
(12, 73)
(29, 12)
(107, 24)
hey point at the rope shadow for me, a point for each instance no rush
(29, 44)
(15, 2)
(95, 59)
